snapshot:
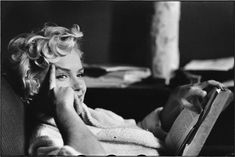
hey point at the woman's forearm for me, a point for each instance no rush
(76, 134)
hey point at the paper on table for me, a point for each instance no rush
(113, 68)
(228, 83)
(118, 76)
(222, 64)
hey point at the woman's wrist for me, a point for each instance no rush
(65, 115)
(63, 108)
(73, 129)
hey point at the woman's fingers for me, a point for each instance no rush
(196, 91)
(77, 104)
(52, 78)
(196, 107)
(211, 83)
(191, 98)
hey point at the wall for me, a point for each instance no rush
(118, 32)
(206, 31)
(93, 18)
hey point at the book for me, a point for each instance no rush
(190, 130)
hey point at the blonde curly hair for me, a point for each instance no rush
(31, 53)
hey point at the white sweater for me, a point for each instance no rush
(118, 136)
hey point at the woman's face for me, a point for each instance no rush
(69, 72)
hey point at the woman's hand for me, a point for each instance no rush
(74, 132)
(62, 97)
(187, 96)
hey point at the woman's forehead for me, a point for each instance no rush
(72, 61)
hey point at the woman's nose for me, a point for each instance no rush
(77, 84)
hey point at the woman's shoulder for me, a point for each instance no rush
(47, 130)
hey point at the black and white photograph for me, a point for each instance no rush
(117, 78)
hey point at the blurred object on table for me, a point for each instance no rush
(222, 64)
(114, 76)
(195, 71)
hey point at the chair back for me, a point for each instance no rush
(12, 121)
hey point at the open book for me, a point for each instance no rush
(190, 130)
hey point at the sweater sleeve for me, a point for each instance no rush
(152, 123)
(48, 141)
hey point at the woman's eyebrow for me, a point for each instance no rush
(61, 68)
(68, 70)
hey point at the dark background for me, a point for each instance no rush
(118, 32)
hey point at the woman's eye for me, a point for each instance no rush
(61, 77)
(80, 75)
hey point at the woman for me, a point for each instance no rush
(48, 66)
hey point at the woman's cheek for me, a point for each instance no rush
(62, 84)
(84, 87)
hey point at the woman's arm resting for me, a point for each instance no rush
(75, 133)
(152, 123)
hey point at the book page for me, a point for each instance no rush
(190, 130)
(180, 129)
(186, 124)
(222, 100)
